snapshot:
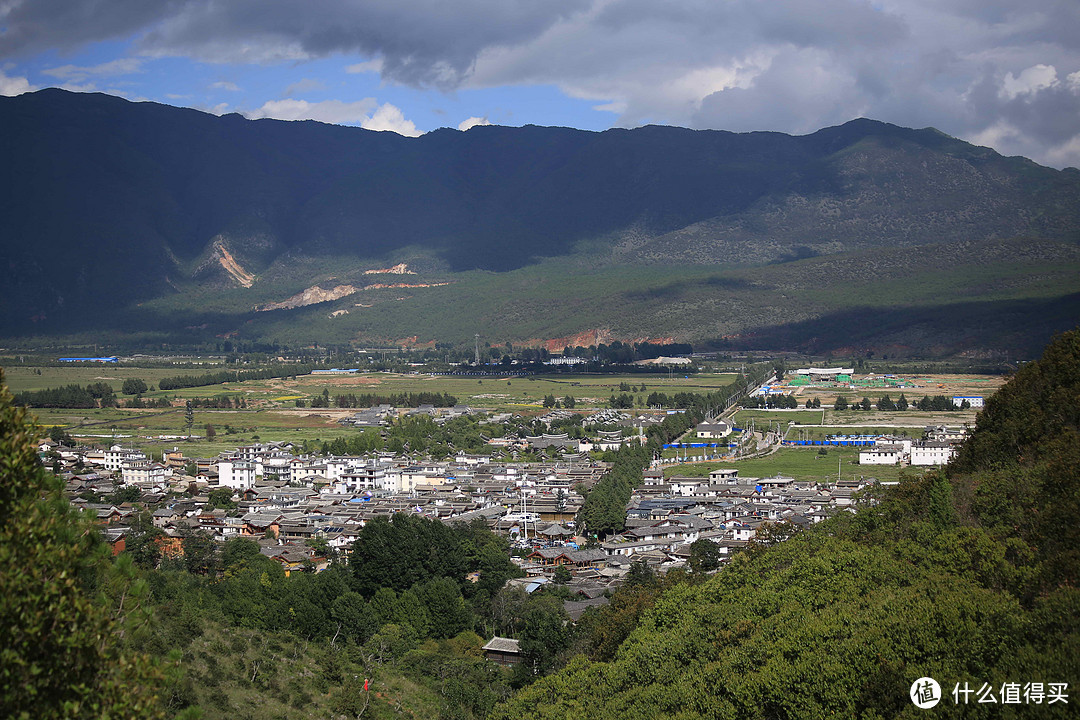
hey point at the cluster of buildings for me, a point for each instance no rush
(938, 446)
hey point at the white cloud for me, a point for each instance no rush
(390, 117)
(329, 111)
(1030, 81)
(80, 74)
(226, 85)
(1073, 81)
(1066, 154)
(472, 122)
(11, 86)
(370, 66)
(366, 113)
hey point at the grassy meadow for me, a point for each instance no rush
(800, 463)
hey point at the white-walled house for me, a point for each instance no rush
(932, 453)
(884, 454)
(236, 474)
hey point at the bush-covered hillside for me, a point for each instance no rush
(966, 576)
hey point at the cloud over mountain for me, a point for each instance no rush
(993, 71)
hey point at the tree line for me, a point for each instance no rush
(366, 400)
(223, 376)
(99, 394)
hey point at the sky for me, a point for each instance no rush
(1000, 73)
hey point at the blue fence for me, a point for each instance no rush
(830, 442)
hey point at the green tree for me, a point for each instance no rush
(446, 609)
(544, 636)
(220, 497)
(134, 386)
(354, 617)
(704, 556)
(840, 403)
(199, 553)
(62, 653)
(125, 494)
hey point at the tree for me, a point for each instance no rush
(353, 616)
(220, 498)
(59, 436)
(569, 402)
(902, 402)
(125, 494)
(640, 574)
(543, 637)
(840, 403)
(704, 556)
(62, 654)
(134, 386)
(189, 417)
(211, 433)
(446, 611)
(199, 553)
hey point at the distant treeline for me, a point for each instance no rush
(218, 401)
(224, 376)
(366, 400)
(69, 396)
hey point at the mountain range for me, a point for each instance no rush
(140, 222)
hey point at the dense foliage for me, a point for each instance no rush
(65, 608)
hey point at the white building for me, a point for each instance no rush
(236, 474)
(116, 456)
(144, 473)
(884, 454)
(975, 401)
(718, 429)
(932, 453)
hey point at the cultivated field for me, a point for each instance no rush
(272, 415)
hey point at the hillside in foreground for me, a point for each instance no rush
(966, 576)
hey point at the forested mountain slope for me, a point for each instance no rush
(966, 576)
(111, 205)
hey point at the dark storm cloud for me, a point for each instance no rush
(28, 26)
(421, 42)
(992, 71)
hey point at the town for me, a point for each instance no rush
(305, 510)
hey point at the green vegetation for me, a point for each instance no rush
(968, 577)
(66, 609)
